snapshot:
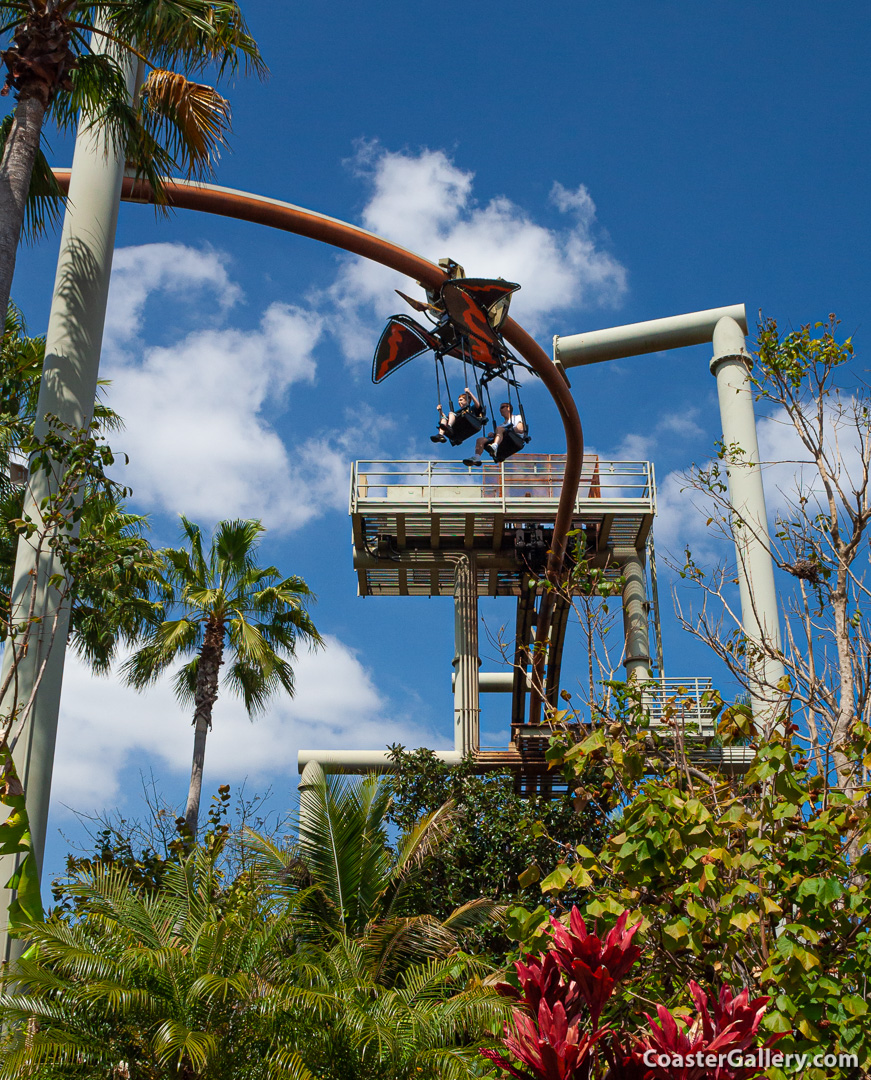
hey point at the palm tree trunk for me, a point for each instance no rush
(16, 168)
(211, 658)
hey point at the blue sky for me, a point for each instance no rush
(622, 162)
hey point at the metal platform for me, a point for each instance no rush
(415, 522)
(407, 516)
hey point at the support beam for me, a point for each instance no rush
(359, 761)
(637, 662)
(467, 711)
(493, 682)
(67, 390)
(635, 339)
(759, 612)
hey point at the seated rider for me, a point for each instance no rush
(491, 443)
(467, 405)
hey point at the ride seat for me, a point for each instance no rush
(512, 442)
(464, 427)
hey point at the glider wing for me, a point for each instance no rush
(402, 340)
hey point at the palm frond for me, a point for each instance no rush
(190, 120)
(475, 913)
(191, 34)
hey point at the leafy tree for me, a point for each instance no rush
(497, 842)
(807, 380)
(350, 883)
(114, 563)
(195, 974)
(173, 123)
(761, 879)
(219, 602)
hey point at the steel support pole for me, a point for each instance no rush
(635, 628)
(67, 390)
(312, 776)
(749, 520)
(467, 712)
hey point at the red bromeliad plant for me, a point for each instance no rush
(729, 1034)
(594, 965)
(557, 1033)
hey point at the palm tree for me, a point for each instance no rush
(349, 884)
(148, 983)
(207, 980)
(429, 1024)
(225, 602)
(52, 68)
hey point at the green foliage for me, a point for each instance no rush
(163, 131)
(799, 358)
(762, 881)
(498, 841)
(261, 615)
(120, 846)
(347, 881)
(15, 839)
(99, 544)
(172, 968)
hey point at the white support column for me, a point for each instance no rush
(637, 662)
(67, 390)
(467, 712)
(759, 610)
(312, 776)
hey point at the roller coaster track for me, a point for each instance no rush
(276, 214)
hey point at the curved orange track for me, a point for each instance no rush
(210, 199)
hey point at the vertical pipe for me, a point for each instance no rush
(637, 662)
(654, 596)
(67, 390)
(467, 711)
(312, 777)
(759, 611)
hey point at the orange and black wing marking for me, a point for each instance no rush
(487, 291)
(402, 340)
(471, 322)
(494, 296)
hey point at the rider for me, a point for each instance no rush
(467, 405)
(491, 443)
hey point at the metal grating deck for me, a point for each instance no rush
(409, 516)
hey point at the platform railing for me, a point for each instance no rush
(684, 701)
(522, 477)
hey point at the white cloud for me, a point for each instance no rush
(200, 412)
(666, 430)
(198, 420)
(105, 727)
(425, 202)
(139, 271)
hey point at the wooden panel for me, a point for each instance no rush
(559, 620)
(525, 618)
(498, 531)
